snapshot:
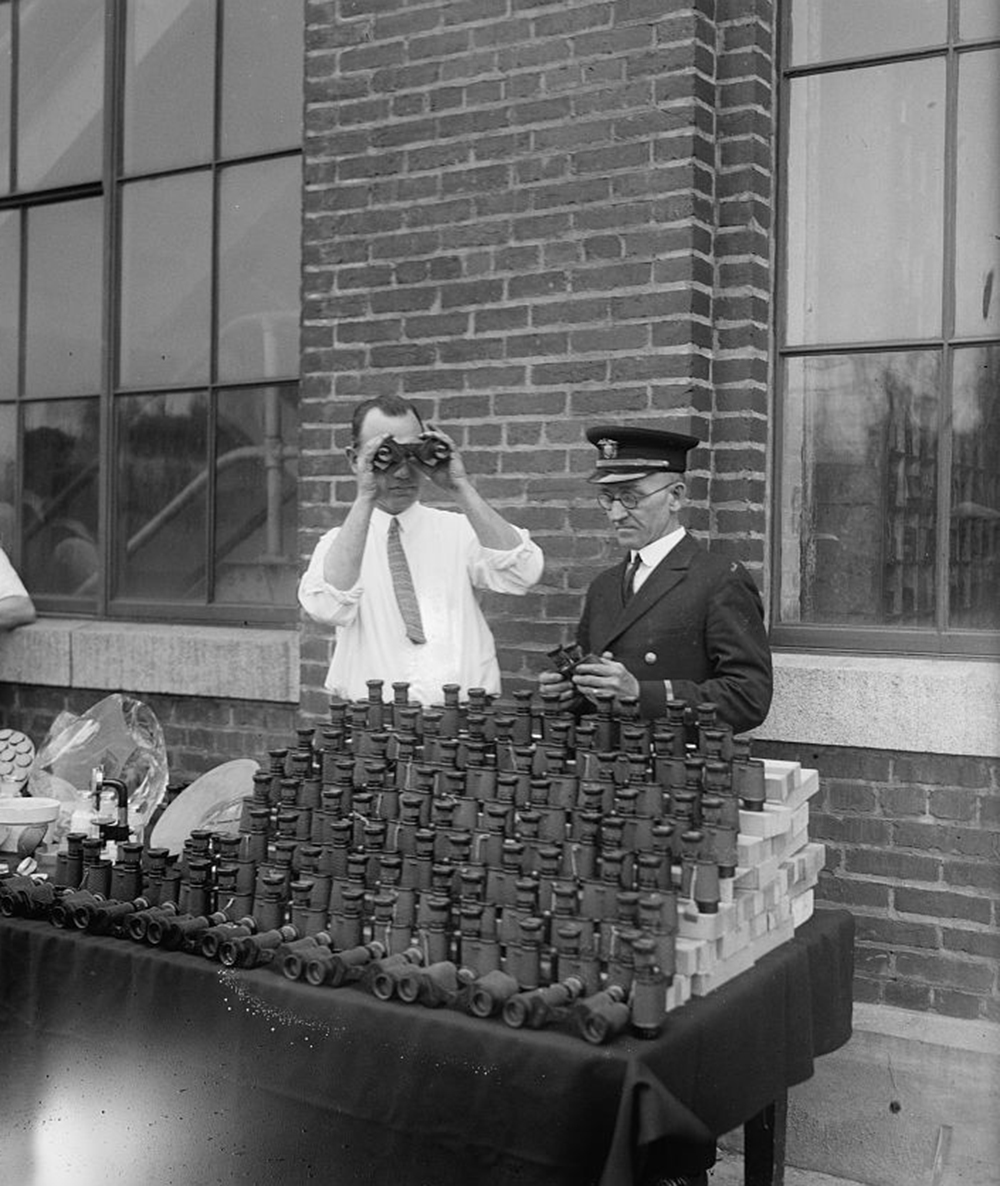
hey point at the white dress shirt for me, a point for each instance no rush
(447, 563)
(651, 555)
(10, 582)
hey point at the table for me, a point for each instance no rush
(125, 1063)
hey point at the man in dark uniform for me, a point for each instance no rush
(671, 621)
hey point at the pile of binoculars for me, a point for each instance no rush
(500, 857)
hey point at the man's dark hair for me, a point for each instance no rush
(388, 405)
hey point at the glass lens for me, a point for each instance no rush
(977, 224)
(63, 320)
(162, 496)
(5, 11)
(865, 200)
(262, 56)
(858, 489)
(166, 280)
(974, 559)
(60, 92)
(10, 269)
(828, 30)
(978, 18)
(256, 471)
(59, 505)
(169, 84)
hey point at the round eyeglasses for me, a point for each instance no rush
(628, 499)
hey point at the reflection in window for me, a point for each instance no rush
(258, 270)
(8, 479)
(10, 255)
(974, 546)
(63, 319)
(169, 69)
(977, 223)
(5, 80)
(827, 30)
(978, 18)
(859, 481)
(59, 501)
(162, 496)
(60, 92)
(166, 280)
(256, 507)
(865, 192)
(261, 91)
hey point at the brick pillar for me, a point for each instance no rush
(742, 257)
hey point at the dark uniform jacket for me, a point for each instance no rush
(697, 621)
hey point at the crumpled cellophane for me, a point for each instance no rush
(119, 735)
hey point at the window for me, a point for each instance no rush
(150, 196)
(888, 370)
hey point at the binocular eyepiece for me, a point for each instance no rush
(428, 451)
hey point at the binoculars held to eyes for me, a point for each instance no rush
(428, 451)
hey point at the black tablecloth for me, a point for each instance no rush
(121, 1062)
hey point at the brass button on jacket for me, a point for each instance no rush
(650, 657)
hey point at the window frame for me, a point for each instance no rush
(109, 189)
(849, 638)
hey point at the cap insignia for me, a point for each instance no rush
(608, 448)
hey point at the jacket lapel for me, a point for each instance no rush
(668, 573)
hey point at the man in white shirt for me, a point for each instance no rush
(414, 620)
(16, 607)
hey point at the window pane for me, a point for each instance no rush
(858, 501)
(60, 92)
(825, 30)
(10, 252)
(60, 498)
(974, 576)
(256, 507)
(63, 319)
(162, 496)
(8, 479)
(166, 280)
(978, 18)
(977, 224)
(169, 83)
(262, 71)
(865, 193)
(259, 270)
(5, 10)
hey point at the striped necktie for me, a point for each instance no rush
(402, 583)
(629, 577)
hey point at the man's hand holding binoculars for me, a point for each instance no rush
(433, 453)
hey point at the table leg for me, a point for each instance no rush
(764, 1145)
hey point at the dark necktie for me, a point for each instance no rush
(402, 583)
(630, 572)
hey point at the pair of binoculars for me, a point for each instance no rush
(429, 451)
(567, 659)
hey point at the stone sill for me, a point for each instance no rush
(181, 660)
(916, 705)
(886, 702)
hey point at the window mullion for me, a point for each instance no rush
(944, 508)
(109, 176)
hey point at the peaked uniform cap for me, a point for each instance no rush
(625, 453)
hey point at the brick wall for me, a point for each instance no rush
(913, 850)
(529, 217)
(198, 732)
